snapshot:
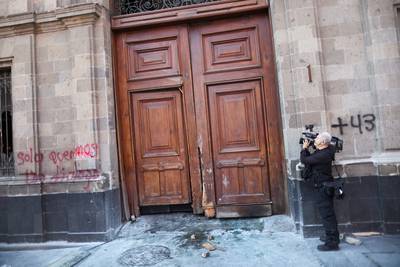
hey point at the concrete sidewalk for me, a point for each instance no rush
(177, 239)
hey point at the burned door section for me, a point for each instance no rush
(229, 87)
(238, 143)
(160, 148)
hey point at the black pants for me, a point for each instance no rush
(324, 201)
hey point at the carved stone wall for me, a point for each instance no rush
(337, 65)
(63, 120)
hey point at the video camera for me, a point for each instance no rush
(309, 135)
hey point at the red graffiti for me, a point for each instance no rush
(32, 177)
(81, 151)
(29, 157)
(62, 175)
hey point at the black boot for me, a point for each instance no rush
(322, 238)
(328, 246)
(331, 241)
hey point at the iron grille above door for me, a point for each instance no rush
(6, 140)
(139, 6)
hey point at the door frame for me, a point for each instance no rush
(149, 20)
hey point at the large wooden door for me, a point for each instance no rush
(199, 117)
(236, 111)
(160, 148)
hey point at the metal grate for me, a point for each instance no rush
(139, 6)
(6, 140)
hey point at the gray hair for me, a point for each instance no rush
(325, 137)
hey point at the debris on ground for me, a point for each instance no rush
(341, 236)
(193, 237)
(209, 246)
(365, 234)
(352, 240)
(205, 254)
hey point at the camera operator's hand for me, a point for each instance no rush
(306, 143)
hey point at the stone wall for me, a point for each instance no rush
(64, 131)
(338, 68)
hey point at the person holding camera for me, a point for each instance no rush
(320, 163)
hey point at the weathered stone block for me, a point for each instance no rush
(47, 78)
(312, 118)
(58, 52)
(62, 65)
(83, 85)
(47, 142)
(67, 114)
(3, 189)
(84, 112)
(44, 116)
(315, 103)
(44, 90)
(360, 169)
(339, 72)
(388, 169)
(294, 121)
(302, 16)
(60, 128)
(350, 28)
(358, 85)
(86, 164)
(357, 100)
(299, 4)
(54, 187)
(15, 190)
(334, 102)
(308, 45)
(65, 140)
(333, 57)
(34, 189)
(45, 129)
(45, 67)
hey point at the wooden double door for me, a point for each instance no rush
(199, 117)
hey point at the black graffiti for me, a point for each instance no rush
(340, 125)
(356, 124)
(366, 121)
(369, 121)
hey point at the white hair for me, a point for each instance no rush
(325, 137)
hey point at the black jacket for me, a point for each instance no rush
(320, 162)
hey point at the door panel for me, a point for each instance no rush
(238, 142)
(230, 50)
(231, 84)
(160, 148)
(153, 58)
(157, 130)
